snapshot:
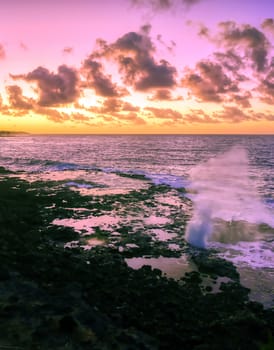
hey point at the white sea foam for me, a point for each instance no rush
(166, 179)
(257, 254)
(223, 189)
(78, 185)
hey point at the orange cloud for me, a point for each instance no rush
(166, 113)
(16, 98)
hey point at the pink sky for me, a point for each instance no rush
(163, 66)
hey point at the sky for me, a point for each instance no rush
(137, 66)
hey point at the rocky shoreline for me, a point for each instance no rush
(52, 297)
(6, 133)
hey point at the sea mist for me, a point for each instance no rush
(221, 188)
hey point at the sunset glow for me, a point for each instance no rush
(137, 66)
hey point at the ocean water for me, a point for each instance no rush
(229, 180)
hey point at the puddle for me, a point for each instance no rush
(154, 220)
(171, 267)
(162, 235)
(87, 225)
(93, 242)
(89, 182)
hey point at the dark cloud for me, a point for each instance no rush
(16, 98)
(268, 24)
(203, 30)
(134, 54)
(170, 46)
(209, 82)
(54, 89)
(250, 39)
(266, 86)
(242, 99)
(2, 52)
(164, 95)
(96, 79)
(154, 4)
(231, 62)
(162, 5)
(156, 75)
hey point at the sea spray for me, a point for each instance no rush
(222, 189)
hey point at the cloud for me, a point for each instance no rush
(114, 106)
(130, 108)
(268, 116)
(23, 46)
(268, 24)
(250, 39)
(132, 117)
(61, 117)
(242, 99)
(229, 114)
(230, 61)
(2, 52)
(67, 50)
(232, 114)
(209, 82)
(199, 116)
(16, 98)
(163, 5)
(169, 46)
(266, 86)
(111, 105)
(203, 30)
(53, 115)
(164, 95)
(134, 54)
(119, 117)
(164, 113)
(54, 89)
(156, 75)
(96, 79)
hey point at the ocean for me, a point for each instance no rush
(222, 184)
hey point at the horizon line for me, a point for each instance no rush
(25, 133)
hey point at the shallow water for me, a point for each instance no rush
(171, 267)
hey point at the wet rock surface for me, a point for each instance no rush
(53, 297)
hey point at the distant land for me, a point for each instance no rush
(4, 133)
